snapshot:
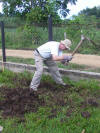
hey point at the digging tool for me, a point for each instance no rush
(79, 44)
(77, 47)
(82, 39)
(91, 41)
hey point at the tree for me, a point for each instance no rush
(91, 11)
(37, 15)
(16, 7)
(22, 7)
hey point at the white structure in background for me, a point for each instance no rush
(1, 128)
(0, 7)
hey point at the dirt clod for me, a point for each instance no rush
(19, 101)
(93, 102)
(85, 114)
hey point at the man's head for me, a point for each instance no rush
(65, 44)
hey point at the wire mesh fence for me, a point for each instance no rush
(23, 36)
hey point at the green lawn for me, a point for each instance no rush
(59, 109)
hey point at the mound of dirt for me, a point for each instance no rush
(18, 101)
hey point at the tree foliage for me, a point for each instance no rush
(22, 7)
(37, 15)
(91, 11)
(16, 7)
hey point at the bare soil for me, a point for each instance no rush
(82, 59)
(18, 101)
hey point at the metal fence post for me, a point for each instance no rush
(3, 41)
(50, 37)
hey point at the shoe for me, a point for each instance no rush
(64, 84)
(32, 90)
(1, 85)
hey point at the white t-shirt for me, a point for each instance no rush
(50, 48)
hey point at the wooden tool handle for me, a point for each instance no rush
(77, 47)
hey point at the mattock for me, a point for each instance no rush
(81, 41)
(79, 44)
(77, 47)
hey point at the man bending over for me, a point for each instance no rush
(48, 53)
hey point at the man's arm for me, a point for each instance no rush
(64, 57)
(57, 58)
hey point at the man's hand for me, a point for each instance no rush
(64, 62)
(67, 58)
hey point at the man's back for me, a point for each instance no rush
(48, 49)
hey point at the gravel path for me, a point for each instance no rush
(89, 60)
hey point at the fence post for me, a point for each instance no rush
(50, 37)
(3, 41)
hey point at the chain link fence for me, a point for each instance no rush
(21, 36)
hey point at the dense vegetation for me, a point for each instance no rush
(90, 12)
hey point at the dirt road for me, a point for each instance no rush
(89, 60)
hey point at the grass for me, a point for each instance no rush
(70, 66)
(40, 121)
(19, 60)
(39, 124)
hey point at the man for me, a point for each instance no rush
(48, 53)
